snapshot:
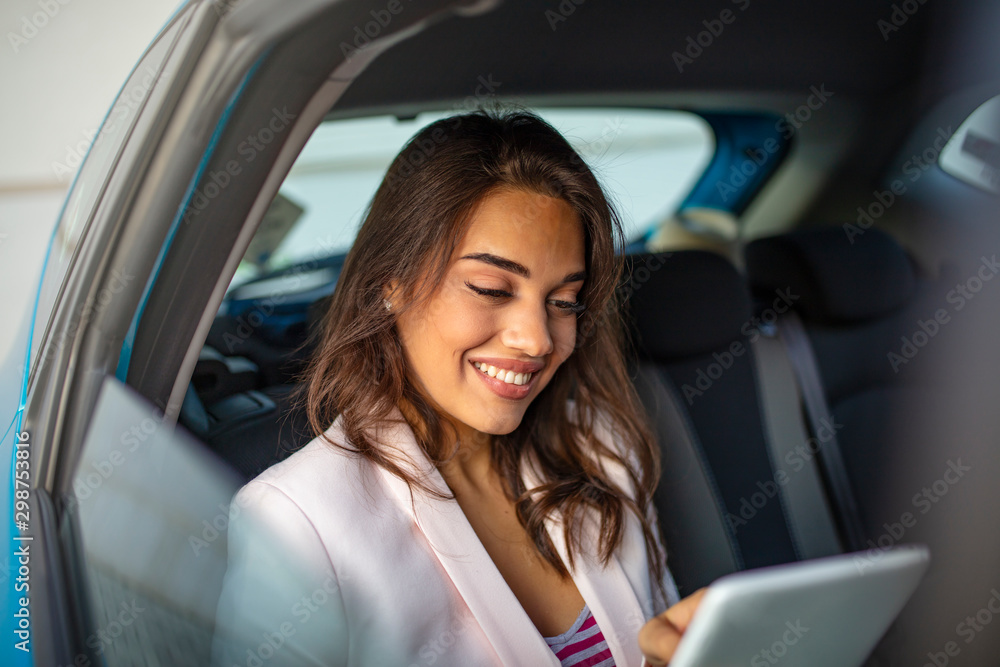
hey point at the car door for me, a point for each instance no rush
(165, 212)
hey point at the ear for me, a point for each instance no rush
(389, 289)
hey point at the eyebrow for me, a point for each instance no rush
(514, 267)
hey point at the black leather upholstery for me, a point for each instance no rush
(691, 317)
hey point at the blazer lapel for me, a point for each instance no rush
(606, 590)
(456, 545)
(509, 629)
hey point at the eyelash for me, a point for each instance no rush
(574, 307)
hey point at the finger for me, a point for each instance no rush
(680, 614)
(658, 639)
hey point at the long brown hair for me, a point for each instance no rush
(411, 228)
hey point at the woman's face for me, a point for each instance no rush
(502, 321)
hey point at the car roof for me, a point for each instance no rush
(580, 47)
(888, 64)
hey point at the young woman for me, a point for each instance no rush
(480, 489)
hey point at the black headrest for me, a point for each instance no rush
(685, 303)
(836, 278)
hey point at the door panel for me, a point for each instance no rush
(145, 526)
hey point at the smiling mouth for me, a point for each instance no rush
(509, 377)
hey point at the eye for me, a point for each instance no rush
(489, 293)
(564, 307)
(568, 307)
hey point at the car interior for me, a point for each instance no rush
(792, 177)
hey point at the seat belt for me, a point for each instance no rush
(810, 518)
(793, 335)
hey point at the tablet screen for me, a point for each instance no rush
(828, 611)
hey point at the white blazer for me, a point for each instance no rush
(330, 564)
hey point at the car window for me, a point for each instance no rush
(150, 510)
(88, 187)
(647, 160)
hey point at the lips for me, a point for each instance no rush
(507, 370)
(506, 377)
(510, 364)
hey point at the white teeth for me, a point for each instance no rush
(510, 377)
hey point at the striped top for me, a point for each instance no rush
(583, 645)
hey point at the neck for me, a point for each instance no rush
(470, 468)
(471, 465)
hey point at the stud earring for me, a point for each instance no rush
(387, 303)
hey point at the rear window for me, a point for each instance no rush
(647, 161)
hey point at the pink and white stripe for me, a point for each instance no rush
(583, 645)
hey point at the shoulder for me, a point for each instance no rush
(320, 506)
(316, 478)
(319, 458)
(279, 557)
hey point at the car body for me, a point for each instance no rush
(813, 112)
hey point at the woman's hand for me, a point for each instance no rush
(658, 639)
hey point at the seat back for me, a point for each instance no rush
(721, 508)
(862, 304)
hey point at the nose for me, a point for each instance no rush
(526, 328)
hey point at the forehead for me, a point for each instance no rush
(526, 226)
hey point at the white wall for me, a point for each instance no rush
(61, 64)
(59, 73)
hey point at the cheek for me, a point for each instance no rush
(455, 326)
(564, 336)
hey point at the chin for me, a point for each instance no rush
(500, 425)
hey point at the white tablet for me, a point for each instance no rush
(828, 611)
